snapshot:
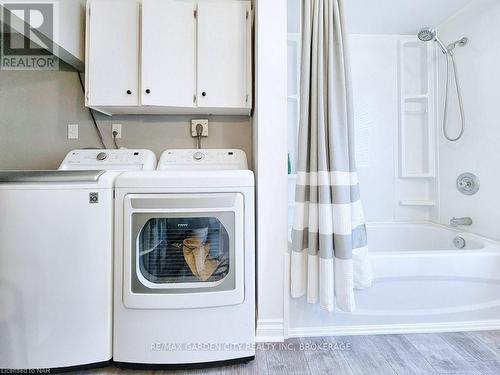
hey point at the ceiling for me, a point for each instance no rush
(398, 16)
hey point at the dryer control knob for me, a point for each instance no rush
(198, 156)
(102, 156)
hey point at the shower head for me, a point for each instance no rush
(427, 34)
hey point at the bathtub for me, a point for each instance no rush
(422, 283)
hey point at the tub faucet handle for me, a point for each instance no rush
(456, 221)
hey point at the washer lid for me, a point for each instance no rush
(208, 160)
(41, 177)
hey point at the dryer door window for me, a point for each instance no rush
(181, 251)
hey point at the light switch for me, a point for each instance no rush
(72, 131)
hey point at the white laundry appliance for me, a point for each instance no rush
(56, 246)
(184, 262)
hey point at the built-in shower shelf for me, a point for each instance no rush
(416, 183)
(416, 101)
(416, 127)
(424, 203)
(410, 176)
(413, 98)
(416, 113)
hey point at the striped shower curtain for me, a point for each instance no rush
(329, 255)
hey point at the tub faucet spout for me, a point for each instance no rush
(456, 221)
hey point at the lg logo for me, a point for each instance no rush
(93, 198)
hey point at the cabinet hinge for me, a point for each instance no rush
(195, 13)
(194, 99)
(247, 98)
(247, 14)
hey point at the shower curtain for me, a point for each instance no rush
(329, 255)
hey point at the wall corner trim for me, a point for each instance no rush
(270, 330)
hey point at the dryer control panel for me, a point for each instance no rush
(194, 159)
(119, 160)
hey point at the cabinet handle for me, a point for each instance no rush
(203, 93)
(148, 91)
(129, 92)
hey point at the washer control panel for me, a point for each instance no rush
(203, 159)
(102, 156)
(199, 156)
(126, 160)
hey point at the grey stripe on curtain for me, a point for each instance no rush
(329, 254)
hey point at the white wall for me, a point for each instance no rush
(270, 135)
(398, 16)
(374, 68)
(479, 150)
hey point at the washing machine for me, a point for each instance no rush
(56, 243)
(184, 262)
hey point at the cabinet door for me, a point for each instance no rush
(113, 49)
(224, 55)
(168, 53)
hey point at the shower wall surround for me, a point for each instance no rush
(395, 126)
(398, 117)
(478, 150)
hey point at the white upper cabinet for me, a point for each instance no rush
(112, 53)
(195, 56)
(223, 55)
(168, 53)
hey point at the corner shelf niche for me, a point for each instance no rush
(417, 203)
(416, 131)
(417, 197)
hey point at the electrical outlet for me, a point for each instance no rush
(118, 129)
(204, 123)
(72, 131)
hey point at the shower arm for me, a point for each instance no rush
(444, 49)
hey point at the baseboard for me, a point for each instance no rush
(270, 330)
(385, 329)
